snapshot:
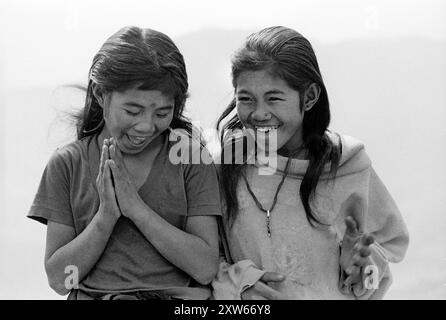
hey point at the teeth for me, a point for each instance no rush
(137, 139)
(265, 129)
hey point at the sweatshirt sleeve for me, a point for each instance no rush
(233, 279)
(384, 222)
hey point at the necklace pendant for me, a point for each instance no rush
(268, 223)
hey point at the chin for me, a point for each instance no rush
(132, 150)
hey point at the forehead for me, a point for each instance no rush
(147, 98)
(261, 81)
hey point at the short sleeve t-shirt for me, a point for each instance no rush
(67, 194)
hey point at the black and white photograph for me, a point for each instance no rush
(223, 150)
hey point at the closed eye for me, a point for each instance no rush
(275, 99)
(131, 113)
(244, 99)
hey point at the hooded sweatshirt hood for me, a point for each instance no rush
(353, 159)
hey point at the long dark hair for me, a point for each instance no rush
(286, 54)
(135, 56)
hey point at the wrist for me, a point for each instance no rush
(105, 220)
(135, 211)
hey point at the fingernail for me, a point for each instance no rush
(349, 270)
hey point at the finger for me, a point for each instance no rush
(364, 252)
(107, 173)
(352, 270)
(353, 276)
(104, 157)
(352, 226)
(263, 290)
(114, 169)
(349, 270)
(272, 277)
(115, 153)
(364, 261)
(368, 240)
(360, 260)
(101, 161)
(107, 144)
(355, 259)
(112, 151)
(107, 178)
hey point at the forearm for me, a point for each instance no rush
(82, 252)
(188, 252)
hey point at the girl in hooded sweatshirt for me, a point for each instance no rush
(305, 214)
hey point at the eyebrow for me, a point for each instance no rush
(274, 91)
(243, 91)
(137, 105)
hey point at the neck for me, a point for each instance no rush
(294, 147)
(300, 152)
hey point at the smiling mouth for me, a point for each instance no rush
(137, 140)
(266, 129)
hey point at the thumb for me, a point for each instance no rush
(353, 209)
(108, 179)
(272, 277)
(352, 226)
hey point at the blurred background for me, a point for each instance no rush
(384, 65)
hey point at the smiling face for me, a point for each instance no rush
(136, 117)
(267, 104)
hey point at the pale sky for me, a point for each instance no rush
(60, 31)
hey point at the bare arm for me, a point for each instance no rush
(195, 250)
(64, 249)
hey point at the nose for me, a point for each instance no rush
(261, 113)
(145, 126)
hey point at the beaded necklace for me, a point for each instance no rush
(257, 202)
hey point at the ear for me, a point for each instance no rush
(98, 94)
(311, 96)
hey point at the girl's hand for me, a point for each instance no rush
(129, 200)
(104, 184)
(262, 291)
(355, 251)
